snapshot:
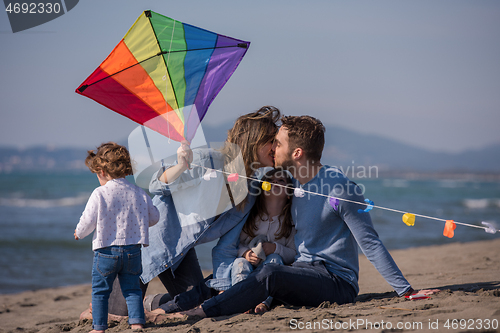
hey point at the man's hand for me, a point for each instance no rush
(76, 237)
(423, 292)
(252, 258)
(268, 248)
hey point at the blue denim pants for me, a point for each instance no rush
(109, 262)
(302, 284)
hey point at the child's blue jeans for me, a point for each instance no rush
(242, 268)
(124, 261)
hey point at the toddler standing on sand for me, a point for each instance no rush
(120, 213)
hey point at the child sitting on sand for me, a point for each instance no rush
(121, 214)
(268, 235)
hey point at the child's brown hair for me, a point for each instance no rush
(111, 158)
(259, 209)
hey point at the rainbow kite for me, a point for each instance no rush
(164, 74)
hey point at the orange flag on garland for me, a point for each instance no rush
(448, 229)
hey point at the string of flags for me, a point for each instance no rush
(408, 218)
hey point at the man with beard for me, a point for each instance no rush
(329, 229)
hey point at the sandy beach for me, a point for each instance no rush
(467, 275)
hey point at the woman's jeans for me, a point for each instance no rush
(110, 262)
(242, 268)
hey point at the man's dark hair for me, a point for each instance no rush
(305, 132)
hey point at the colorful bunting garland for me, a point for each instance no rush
(233, 177)
(211, 173)
(266, 186)
(489, 228)
(369, 207)
(408, 218)
(298, 192)
(449, 228)
(334, 202)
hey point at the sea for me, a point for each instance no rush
(39, 212)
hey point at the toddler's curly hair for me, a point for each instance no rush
(111, 158)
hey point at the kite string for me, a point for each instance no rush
(351, 201)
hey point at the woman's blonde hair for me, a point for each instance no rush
(251, 132)
(248, 135)
(111, 158)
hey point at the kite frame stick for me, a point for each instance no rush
(167, 74)
(85, 86)
(146, 140)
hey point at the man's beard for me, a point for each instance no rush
(286, 164)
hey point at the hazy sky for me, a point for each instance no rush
(424, 72)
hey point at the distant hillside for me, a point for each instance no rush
(344, 148)
(42, 159)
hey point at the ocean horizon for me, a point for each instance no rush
(39, 212)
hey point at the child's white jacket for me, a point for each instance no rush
(120, 213)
